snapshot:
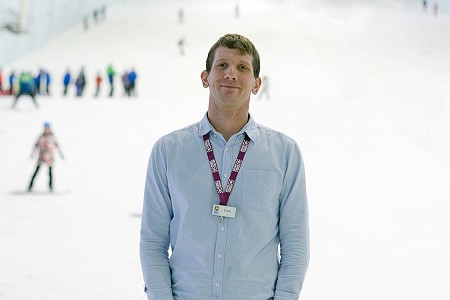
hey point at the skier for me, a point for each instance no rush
(80, 83)
(48, 81)
(180, 16)
(95, 14)
(126, 83)
(43, 82)
(435, 8)
(111, 73)
(264, 88)
(66, 81)
(86, 23)
(181, 43)
(132, 83)
(11, 82)
(103, 12)
(46, 143)
(98, 82)
(1, 82)
(26, 87)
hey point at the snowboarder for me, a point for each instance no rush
(46, 144)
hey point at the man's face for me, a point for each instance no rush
(231, 79)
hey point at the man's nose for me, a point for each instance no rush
(230, 74)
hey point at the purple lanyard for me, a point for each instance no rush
(224, 195)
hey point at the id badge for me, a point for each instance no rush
(224, 211)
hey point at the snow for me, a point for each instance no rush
(363, 88)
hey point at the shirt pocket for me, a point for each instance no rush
(261, 189)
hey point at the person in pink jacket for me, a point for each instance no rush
(46, 144)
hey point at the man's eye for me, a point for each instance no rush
(223, 65)
(242, 67)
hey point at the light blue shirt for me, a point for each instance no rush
(235, 258)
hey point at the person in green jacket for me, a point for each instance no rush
(111, 73)
(26, 87)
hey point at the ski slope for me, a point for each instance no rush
(364, 89)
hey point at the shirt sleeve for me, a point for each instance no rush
(294, 228)
(154, 237)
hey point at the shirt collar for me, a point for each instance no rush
(249, 128)
(205, 126)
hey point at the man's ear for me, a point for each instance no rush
(257, 85)
(204, 77)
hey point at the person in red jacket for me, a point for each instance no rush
(1, 82)
(98, 82)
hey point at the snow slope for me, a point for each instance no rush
(362, 87)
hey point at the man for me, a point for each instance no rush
(224, 194)
(43, 82)
(132, 83)
(26, 87)
(111, 73)
(66, 81)
(11, 82)
(80, 83)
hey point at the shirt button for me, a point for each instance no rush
(222, 228)
(227, 149)
(225, 175)
(217, 283)
(219, 255)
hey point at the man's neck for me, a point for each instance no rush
(228, 123)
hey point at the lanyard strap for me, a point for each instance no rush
(224, 195)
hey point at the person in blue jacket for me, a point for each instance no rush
(132, 82)
(11, 82)
(80, 83)
(43, 82)
(66, 81)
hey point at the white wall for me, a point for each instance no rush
(45, 19)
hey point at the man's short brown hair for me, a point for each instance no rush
(235, 41)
